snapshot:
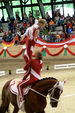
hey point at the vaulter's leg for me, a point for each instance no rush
(16, 110)
(20, 87)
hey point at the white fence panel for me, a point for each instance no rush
(2, 73)
(64, 66)
(19, 71)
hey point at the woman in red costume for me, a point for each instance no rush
(35, 66)
(30, 37)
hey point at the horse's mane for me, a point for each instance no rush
(47, 78)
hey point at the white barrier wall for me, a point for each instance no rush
(64, 66)
(2, 73)
(19, 71)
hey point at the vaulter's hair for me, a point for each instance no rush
(42, 21)
(38, 55)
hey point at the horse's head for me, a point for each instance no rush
(55, 93)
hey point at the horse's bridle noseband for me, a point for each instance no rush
(51, 92)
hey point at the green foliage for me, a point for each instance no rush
(45, 32)
(35, 8)
(46, 1)
(15, 3)
(34, 1)
(44, 52)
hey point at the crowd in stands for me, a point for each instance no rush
(16, 28)
(66, 23)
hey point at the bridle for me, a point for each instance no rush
(50, 92)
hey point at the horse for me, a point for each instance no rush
(35, 99)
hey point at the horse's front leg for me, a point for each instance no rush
(41, 112)
(28, 111)
(16, 110)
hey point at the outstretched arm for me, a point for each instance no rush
(27, 65)
(23, 41)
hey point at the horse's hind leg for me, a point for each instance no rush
(16, 110)
(4, 107)
(5, 98)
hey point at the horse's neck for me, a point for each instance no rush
(44, 85)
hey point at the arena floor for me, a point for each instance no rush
(67, 100)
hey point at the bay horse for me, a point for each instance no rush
(35, 100)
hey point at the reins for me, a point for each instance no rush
(37, 92)
(53, 88)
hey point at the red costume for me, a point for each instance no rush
(31, 66)
(35, 66)
(29, 40)
(30, 32)
(29, 49)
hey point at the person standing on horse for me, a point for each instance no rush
(31, 30)
(35, 66)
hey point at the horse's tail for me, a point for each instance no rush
(5, 98)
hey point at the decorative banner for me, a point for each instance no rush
(44, 52)
(2, 52)
(4, 55)
(55, 54)
(72, 53)
(68, 41)
(65, 52)
(16, 54)
(7, 44)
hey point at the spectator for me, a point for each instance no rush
(69, 24)
(25, 25)
(61, 21)
(22, 32)
(0, 29)
(10, 26)
(51, 25)
(58, 39)
(17, 17)
(15, 24)
(16, 39)
(69, 30)
(73, 25)
(57, 18)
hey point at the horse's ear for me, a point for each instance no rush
(64, 82)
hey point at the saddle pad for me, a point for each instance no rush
(13, 87)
